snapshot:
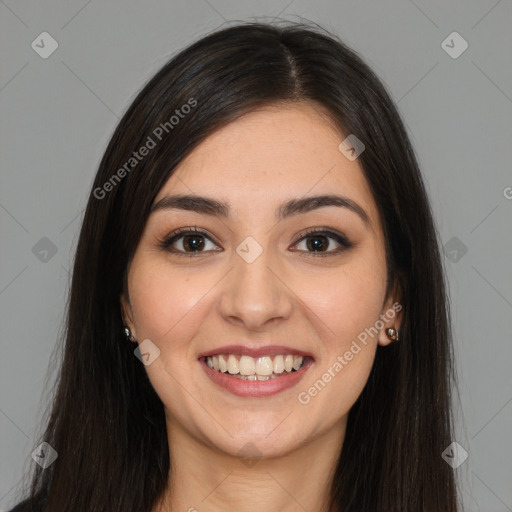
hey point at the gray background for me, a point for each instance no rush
(57, 115)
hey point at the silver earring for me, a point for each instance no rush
(393, 334)
(129, 335)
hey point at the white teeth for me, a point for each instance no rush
(297, 362)
(255, 377)
(264, 366)
(278, 364)
(223, 364)
(249, 368)
(233, 367)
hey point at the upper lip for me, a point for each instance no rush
(244, 350)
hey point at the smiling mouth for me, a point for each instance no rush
(256, 368)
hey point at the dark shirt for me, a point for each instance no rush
(24, 506)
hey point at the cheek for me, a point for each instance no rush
(347, 301)
(162, 300)
(354, 309)
(169, 308)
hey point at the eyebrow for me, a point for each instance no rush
(210, 206)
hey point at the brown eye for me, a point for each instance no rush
(193, 242)
(317, 243)
(320, 242)
(187, 242)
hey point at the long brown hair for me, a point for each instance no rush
(107, 423)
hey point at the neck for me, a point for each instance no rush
(205, 479)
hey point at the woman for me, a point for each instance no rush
(258, 317)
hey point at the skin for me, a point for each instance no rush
(287, 296)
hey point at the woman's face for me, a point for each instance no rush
(271, 274)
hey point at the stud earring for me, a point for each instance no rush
(393, 334)
(129, 335)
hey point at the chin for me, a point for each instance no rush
(246, 445)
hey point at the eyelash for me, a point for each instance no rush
(341, 239)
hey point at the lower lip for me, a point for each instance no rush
(256, 388)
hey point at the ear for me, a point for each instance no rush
(391, 316)
(127, 313)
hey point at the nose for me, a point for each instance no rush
(255, 295)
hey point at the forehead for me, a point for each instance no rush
(269, 156)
